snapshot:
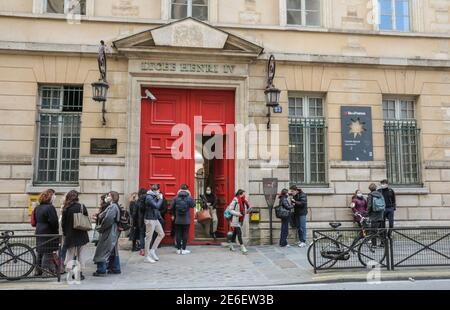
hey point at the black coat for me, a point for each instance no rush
(46, 224)
(183, 197)
(73, 237)
(301, 204)
(389, 197)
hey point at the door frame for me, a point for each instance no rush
(241, 107)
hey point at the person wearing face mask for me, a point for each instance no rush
(389, 198)
(47, 223)
(107, 252)
(359, 207)
(238, 207)
(153, 203)
(209, 200)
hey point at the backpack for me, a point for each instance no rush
(281, 212)
(227, 214)
(181, 207)
(125, 219)
(378, 204)
(33, 219)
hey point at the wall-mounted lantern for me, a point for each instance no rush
(100, 88)
(271, 93)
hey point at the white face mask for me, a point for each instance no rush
(359, 195)
(384, 186)
(108, 199)
(53, 199)
(208, 192)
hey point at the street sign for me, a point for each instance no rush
(278, 109)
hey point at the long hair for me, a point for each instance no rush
(284, 192)
(71, 197)
(142, 192)
(46, 196)
(239, 192)
(133, 197)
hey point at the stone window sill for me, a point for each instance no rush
(411, 190)
(318, 190)
(60, 189)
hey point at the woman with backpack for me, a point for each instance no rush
(181, 210)
(238, 207)
(375, 210)
(285, 208)
(107, 252)
(75, 240)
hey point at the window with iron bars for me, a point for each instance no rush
(59, 124)
(401, 138)
(307, 145)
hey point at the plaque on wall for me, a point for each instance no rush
(356, 129)
(103, 146)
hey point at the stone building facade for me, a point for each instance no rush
(330, 54)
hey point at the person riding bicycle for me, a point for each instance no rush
(359, 207)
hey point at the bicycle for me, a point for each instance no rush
(331, 249)
(17, 260)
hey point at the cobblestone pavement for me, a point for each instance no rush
(214, 267)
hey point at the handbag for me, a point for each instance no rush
(204, 215)
(81, 221)
(95, 236)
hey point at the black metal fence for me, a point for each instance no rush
(350, 248)
(25, 255)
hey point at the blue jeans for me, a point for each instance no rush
(142, 238)
(113, 265)
(301, 227)
(284, 232)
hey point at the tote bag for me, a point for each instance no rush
(81, 221)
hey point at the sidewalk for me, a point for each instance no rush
(217, 267)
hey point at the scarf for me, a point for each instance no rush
(242, 202)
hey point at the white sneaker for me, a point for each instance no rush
(243, 249)
(184, 252)
(178, 252)
(148, 259)
(153, 255)
(301, 245)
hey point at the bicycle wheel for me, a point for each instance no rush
(372, 251)
(324, 247)
(17, 260)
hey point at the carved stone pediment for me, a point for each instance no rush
(187, 35)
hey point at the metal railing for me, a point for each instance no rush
(25, 255)
(387, 248)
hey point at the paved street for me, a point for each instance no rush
(217, 267)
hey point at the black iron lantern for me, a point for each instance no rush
(100, 88)
(272, 94)
(100, 91)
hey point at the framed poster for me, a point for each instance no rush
(356, 129)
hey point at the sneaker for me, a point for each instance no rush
(148, 259)
(99, 274)
(142, 253)
(231, 247)
(178, 252)
(301, 245)
(243, 249)
(153, 255)
(184, 252)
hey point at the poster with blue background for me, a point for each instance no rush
(356, 128)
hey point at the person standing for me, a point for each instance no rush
(209, 200)
(359, 207)
(75, 240)
(238, 208)
(389, 198)
(375, 210)
(300, 202)
(181, 210)
(286, 204)
(153, 203)
(107, 252)
(141, 215)
(134, 215)
(47, 223)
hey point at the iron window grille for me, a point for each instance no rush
(303, 12)
(394, 15)
(59, 124)
(189, 8)
(307, 141)
(401, 136)
(65, 6)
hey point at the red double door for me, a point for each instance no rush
(158, 166)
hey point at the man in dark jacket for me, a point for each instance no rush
(389, 198)
(375, 216)
(141, 214)
(181, 209)
(300, 201)
(153, 203)
(286, 204)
